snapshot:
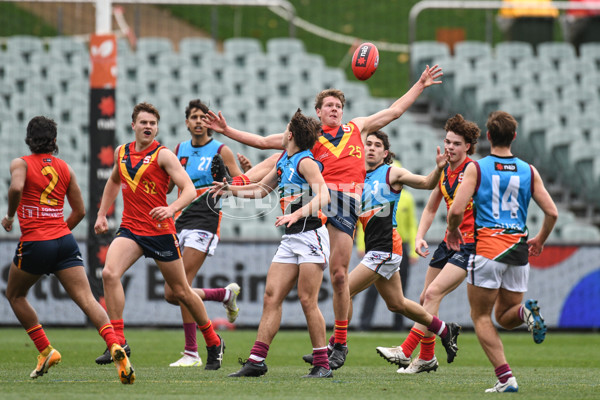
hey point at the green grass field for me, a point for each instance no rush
(565, 366)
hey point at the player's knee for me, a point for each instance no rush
(307, 301)
(432, 294)
(397, 307)
(170, 296)
(180, 294)
(339, 278)
(110, 275)
(268, 299)
(13, 296)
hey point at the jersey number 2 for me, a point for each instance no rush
(44, 198)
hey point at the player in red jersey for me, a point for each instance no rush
(143, 169)
(198, 225)
(340, 151)
(39, 184)
(447, 268)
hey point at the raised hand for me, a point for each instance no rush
(442, 159)
(431, 75)
(215, 122)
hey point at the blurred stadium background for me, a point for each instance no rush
(257, 61)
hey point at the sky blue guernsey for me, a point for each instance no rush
(378, 216)
(501, 199)
(294, 191)
(204, 212)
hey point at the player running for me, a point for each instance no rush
(39, 184)
(447, 268)
(501, 186)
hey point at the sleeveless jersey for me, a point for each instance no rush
(40, 211)
(144, 185)
(205, 211)
(294, 191)
(340, 151)
(502, 195)
(378, 217)
(449, 183)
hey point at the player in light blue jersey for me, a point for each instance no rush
(303, 253)
(198, 225)
(501, 186)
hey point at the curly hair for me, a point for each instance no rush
(386, 145)
(144, 107)
(467, 129)
(305, 130)
(41, 135)
(329, 93)
(502, 127)
(197, 104)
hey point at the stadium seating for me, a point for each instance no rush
(555, 97)
(149, 48)
(426, 53)
(591, 52)
(579, 233)
(283, 48)
(308, 66)
(198, 50)
(556, 52)
(579, 68)
(67, 47)
(331, 77)
(24, 46)
(513, 51)
(236, 49)
(472, 51)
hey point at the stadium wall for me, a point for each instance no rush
(565, 280)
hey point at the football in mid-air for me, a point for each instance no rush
(365, 61)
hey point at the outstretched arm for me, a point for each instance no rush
(402, 176)
(218, 124)
(252, 191)
(380, 119)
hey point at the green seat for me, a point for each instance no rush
(580, 233)
(426, 53)
(513, 51)
(150, 48)
(24, 46)
(67, 46)
(472, 50)
(590, 52)
(556, 52)
(237, 48)
(579, 68)
(199, 50)
(283, 48)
